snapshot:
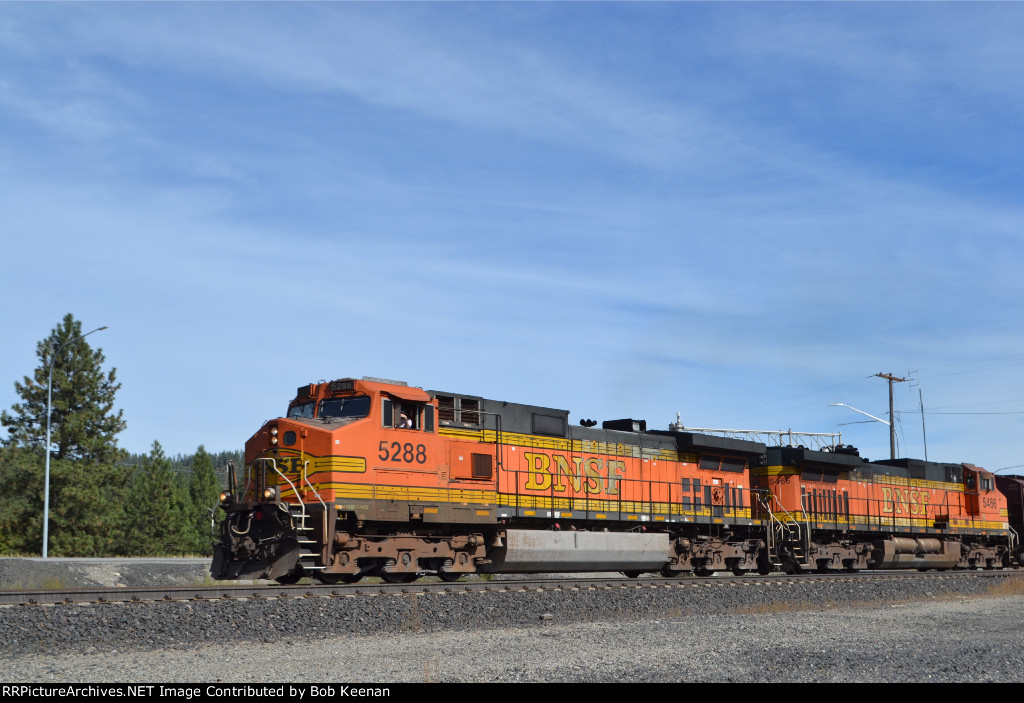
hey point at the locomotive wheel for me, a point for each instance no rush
(737, 571)
(449, 576)
(290, 578)
(389, 577)
(764, 570)
(631, 574)
(703, 572)
(331, 579)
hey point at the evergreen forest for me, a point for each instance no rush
(103, 501)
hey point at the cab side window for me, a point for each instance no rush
(407, 415)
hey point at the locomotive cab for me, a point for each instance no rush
(337, 439)
(983, 501)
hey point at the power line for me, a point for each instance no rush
(961, 373)
(1008, 412)
(972, 405)
(824, 389)
(782, 400)
(976, 361)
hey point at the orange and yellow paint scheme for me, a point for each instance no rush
(370, 476)
(843, 499)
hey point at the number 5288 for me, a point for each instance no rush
(398, 452)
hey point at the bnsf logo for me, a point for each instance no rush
(908, 502)
(591, 475)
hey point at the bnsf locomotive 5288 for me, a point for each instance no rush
(373, 477)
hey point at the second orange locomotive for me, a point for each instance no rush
(374, 477)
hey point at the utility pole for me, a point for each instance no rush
(892, 419)
(920, 398)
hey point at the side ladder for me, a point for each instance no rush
(309, 547)
(305, 534)
(786, 538)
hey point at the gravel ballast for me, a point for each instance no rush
(936, 629)
(63, 573)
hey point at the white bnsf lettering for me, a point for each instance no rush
(559, 473)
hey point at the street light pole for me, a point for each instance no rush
(892, 437)
(49, 403)
(844, 405)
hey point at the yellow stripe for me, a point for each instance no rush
(339, 463)
(774, 471)
(883, 479)
(575, 446)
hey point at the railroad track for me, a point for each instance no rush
(270, 592)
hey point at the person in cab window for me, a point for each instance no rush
(404, 422)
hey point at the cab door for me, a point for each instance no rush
(972, 494)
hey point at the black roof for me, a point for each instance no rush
(801, 456)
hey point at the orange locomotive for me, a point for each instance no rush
(374, 477)
(831, 510)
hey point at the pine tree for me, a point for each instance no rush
(204, 490)
(158, 511)
(21, 510)
(87, 508)
(83, 422)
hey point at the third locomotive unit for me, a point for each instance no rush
(369, 477)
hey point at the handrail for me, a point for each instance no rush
(249, 483)
(771, 438)
(792, 520)
(807, 523)
(775, 525)
(302, 504)
(642, 501)
(305, 479)
(499, 463)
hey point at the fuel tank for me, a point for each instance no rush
(538, 551)
(910, 553)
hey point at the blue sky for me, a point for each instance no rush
(738, 212)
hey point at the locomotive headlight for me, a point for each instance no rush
(273, 435)
(269, 493)
(225, 497)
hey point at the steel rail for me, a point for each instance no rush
(270, 592)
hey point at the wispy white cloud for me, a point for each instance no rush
(667, 203)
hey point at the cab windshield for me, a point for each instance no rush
(351, 406)
(301, 410)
